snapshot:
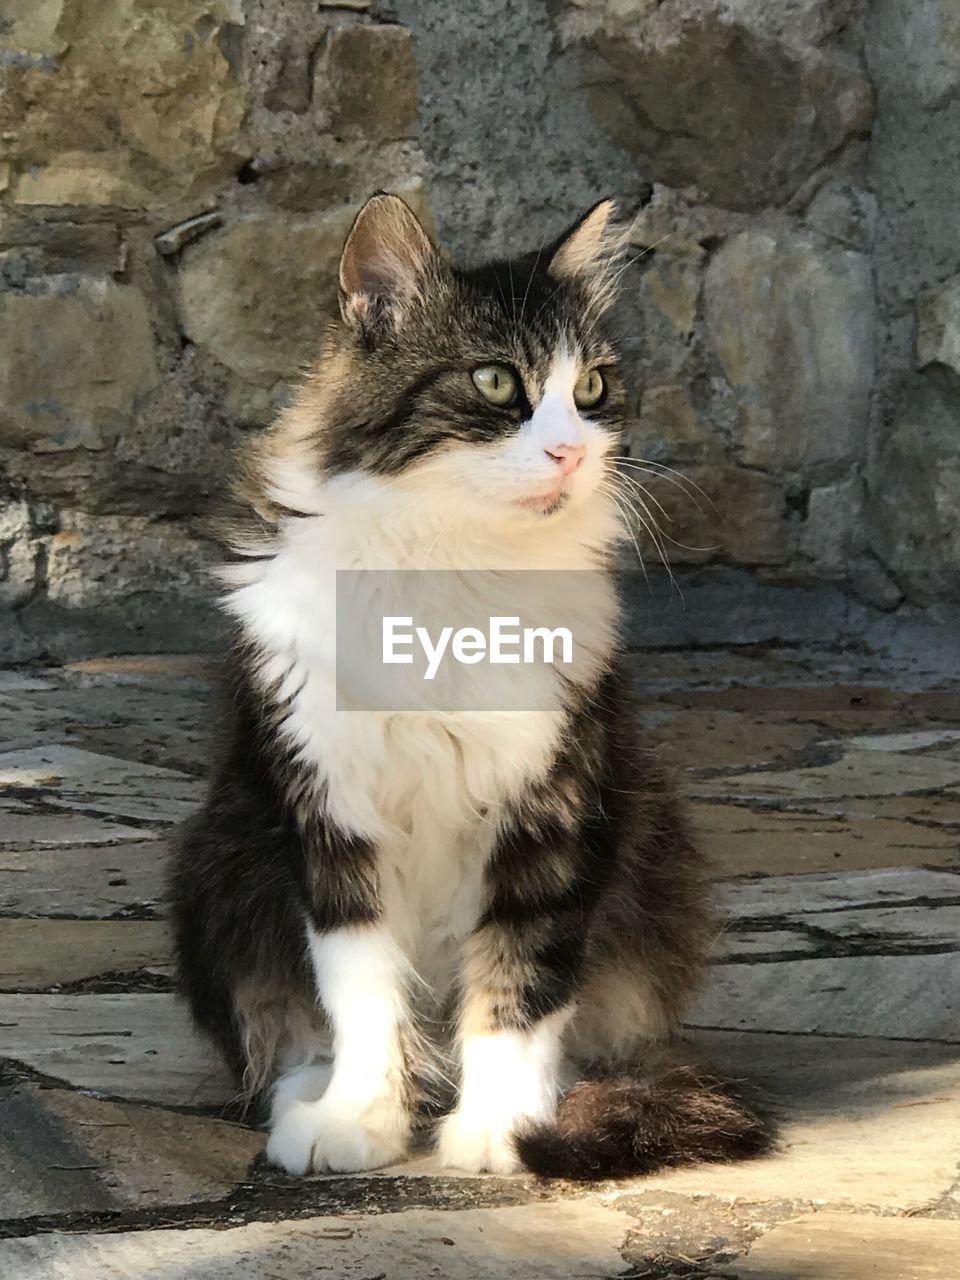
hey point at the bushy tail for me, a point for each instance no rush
(625, 1126)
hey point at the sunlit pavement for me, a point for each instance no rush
(826, 786)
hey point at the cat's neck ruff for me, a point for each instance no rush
(370, 522)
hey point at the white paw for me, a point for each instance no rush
(316, 1137)
(467, 1141)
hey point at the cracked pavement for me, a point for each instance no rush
(825, 785)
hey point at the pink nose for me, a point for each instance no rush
(569, 456)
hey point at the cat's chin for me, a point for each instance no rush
(545, 504)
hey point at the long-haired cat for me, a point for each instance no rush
(369, 898)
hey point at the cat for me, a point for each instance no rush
(373, 900)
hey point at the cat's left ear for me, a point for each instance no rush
(385, 262)
(584, 256)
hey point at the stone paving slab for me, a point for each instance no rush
(18, 682)
(679, 671)
(840, 891)
(158, 721)
(75, 779)
(840, 854)
(707, 739)
(25, 828)
(916, 996)
(830, 1246)
(864, 1122)
(917, 740)
(87, 880)
(740, 944)
(916, 927)
(65, 1152)
(37, 954)
(533, 1242)
(851, 708)
(875, 911)
(136, 668)
(941, 809)
(770, 920)
(861, 932)
(743, 841)
(129, 1045)
(45, 1169)
(856, 774)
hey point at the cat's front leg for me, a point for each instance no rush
(515, 1009)
(362, 1120)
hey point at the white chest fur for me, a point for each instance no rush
(428, 788)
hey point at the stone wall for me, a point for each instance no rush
(913, 464)
(177, 178)
(793, 302)
(177, 181)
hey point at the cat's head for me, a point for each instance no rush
(495, 389)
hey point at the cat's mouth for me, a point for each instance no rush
(547, 502)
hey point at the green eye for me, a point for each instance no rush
(496, 383)
(590, 389)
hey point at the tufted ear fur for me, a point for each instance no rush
(585, 257)
(385, 260)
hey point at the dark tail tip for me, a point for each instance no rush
(624, 1126)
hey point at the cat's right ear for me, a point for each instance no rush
(385, 261)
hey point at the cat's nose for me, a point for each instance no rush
(569, 456)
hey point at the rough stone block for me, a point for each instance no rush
(668, 426)
(152, 622)
(669, 222)
(912, 51)
(30, 26)
(366, 83)
(845, 213)
(793, 327)
(656, 313)
(938, 325)
(18, 553)
(732, 606)
(833, 516)
(800, 21)
(715, 510)
(97, 559)
(138, 106)
(255, 294)
(76, 354)
(711, 97)
(915, 492)
(58, 246)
